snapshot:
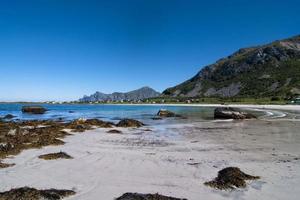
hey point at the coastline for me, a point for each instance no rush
(255, 106)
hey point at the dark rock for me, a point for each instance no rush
(34, 109)
(137, 196)
(114, 131)
(129, 123)
(231, 113)
(27, 193)
(71, 111)
(166, 113)
(229, 178)
(9, 116)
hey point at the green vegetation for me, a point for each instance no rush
(218, 100)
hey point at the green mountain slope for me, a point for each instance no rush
(262, 71)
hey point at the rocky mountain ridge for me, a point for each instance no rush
(262, 71)
(135, 95)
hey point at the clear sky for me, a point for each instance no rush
(63, 49)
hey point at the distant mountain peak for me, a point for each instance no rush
(135, 95)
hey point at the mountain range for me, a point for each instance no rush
(135, 95)
(262, 71)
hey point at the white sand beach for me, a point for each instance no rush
(173, 160)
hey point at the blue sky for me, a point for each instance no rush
(63, 49)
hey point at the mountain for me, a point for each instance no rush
(262, 71)
(135, 95)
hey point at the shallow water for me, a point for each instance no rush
(107, 112)
(140, 112)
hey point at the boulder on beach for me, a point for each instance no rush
(34, 194)
(230, 178)
(166, 113)
(231, 113)
(129, 123)
(137, 196)
(34, 109)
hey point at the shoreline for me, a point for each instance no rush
(256, 106)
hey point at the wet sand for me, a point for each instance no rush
(173, 160)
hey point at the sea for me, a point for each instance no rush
(108, 112)
(104, 111)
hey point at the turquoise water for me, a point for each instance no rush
(105, 112)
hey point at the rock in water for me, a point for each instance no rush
(231, 113)
(137, 196)
(130, 123)
(27, 193)
(229, 178)
(34, 109)
(166, 113)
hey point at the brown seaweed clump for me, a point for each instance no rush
(81, 125)
(54, 156)
(229, 178)
(5, 165)
(130, 123)
(26, 193)
(16, 136)
(137, 196)
(114, 131)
